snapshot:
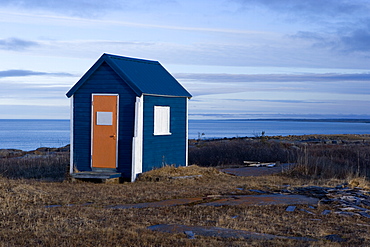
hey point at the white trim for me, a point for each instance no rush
(91, 129)
(187, 134)
(117, 131)
(71, 165)
(92, 124)
(137, 140)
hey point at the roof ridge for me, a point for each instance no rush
(139, 60)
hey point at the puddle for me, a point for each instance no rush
(255, 171)
(275, 199)
(209, 231)
(229, 200)
(165, 203)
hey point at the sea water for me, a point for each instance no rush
(253, 128)
(32, 134)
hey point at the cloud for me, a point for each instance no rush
(337, 25)
(357, 40)
(343, 40)
(18, 90)
(70, 7)
(22, 73)
(87, 8)
(333, 83)
(16, 44)
(29, 111)
(315, 37)
(280, 101)
(310, 8)
(308, 77)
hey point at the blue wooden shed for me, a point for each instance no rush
(128, 116)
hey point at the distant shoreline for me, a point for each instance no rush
(323, 120)
(328, 120)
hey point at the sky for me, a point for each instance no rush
(238, 58)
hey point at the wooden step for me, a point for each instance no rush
(96, 175)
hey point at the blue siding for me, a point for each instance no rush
(103, 80)
(162, 150)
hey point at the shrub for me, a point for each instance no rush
(334, 161)
(36, 167)
(317, 160)
(234, 152)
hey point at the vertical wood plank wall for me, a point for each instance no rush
(159, 150)
(103, 80)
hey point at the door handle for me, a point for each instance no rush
(113, 136)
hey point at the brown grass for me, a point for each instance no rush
(83, 217)
(89, 221)
(172, 172)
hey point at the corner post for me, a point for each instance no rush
(137, 141)
(71, 165)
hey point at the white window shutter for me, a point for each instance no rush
(162, 120)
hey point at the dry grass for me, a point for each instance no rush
(83, 216)
(26, 221)
(361, 182)
(172, 172)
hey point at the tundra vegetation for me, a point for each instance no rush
(40, 206)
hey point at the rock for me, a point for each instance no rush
(258, 191)
(190, 234)
(326, 212)
(314, 191)
(335, 238)
(346, 213)
(304, 210)
(346, 198)
(325, 201)
(53, 206)
(11, 153)
(352, 199)
(341, 186)
(290, 208)
(358, 208)
(285, 191)
(347, 209)
(364, 214)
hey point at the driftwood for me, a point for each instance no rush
(258, 164)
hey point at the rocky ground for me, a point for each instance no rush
(326, 139)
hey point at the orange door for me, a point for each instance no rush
(104, 138)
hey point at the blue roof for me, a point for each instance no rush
(143, 76)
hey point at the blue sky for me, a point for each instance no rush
(239, 58)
